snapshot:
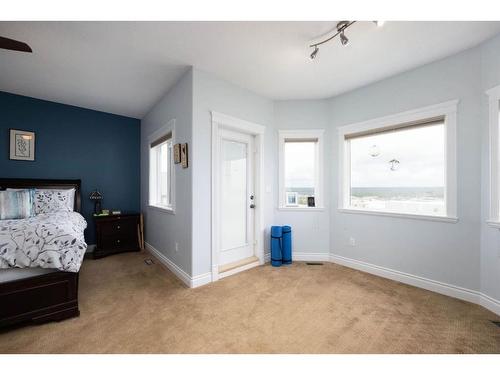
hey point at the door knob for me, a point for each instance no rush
(252, 205)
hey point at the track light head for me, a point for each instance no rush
(314, 53)
(342, 25)
(343, 39)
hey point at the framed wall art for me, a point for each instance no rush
(22, 145)
(184, 155)
(177, 153)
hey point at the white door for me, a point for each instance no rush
(236, 197)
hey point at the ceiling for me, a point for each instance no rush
(125, 67)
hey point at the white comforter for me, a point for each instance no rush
(52, 240)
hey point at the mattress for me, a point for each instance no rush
(22, 273)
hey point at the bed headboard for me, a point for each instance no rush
(29, 183)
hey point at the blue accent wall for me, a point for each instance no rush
(101, 149)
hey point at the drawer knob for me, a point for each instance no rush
(117, 227)
(117, 241)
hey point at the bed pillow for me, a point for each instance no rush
(16, 204)
(53, 200)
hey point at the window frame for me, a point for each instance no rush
(318, 134)
(449, 111)
(161, 132)
(494, 139)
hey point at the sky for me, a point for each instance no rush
(299, 164)
(420, 152)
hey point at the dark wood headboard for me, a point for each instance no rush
(30, 183)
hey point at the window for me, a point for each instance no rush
(402, 165)
(494, 119)
(161, 169)
(399, 170)
(301, 155)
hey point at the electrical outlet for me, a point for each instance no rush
(352, 241)
(176, 246)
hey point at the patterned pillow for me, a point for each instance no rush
(16, 204)
(52, 200)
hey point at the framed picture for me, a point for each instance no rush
(22, 145)
(184, 155)
(292, 199)
(177, 153)
(311, 202)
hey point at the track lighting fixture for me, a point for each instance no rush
(344, 40)
(314, 53)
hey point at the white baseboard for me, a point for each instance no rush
(406, 278)
(176, 270)
(490, 303)
(311, 257)
(191, 282)
(304, 257)
(200, 280)
(421, 282)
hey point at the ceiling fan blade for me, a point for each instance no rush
(14, 45)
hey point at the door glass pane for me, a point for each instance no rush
(234, 194)
(400, 171)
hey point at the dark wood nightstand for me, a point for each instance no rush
(117, 234)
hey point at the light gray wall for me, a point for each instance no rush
(490, 237)
(163, 230)
(465, 254)
(213, 94)
(311, 230)
(444, 252)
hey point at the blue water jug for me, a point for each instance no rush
(276, 246)
(287, 244)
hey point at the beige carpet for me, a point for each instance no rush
(129, 307)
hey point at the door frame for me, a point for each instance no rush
(223, 121)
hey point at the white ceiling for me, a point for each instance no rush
(125, 67)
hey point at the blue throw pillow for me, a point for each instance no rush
(16, 204)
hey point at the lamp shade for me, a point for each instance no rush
(95, 196)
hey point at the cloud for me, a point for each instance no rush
(420, 152)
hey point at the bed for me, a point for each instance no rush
(39, 280)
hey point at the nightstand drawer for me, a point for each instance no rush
(118, 228)
(119, 243)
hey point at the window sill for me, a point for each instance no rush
(302, 209)
(493, 223)
(446, 219)
(166, 210)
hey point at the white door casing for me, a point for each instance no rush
(240, 133)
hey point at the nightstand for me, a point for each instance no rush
(117, 234)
